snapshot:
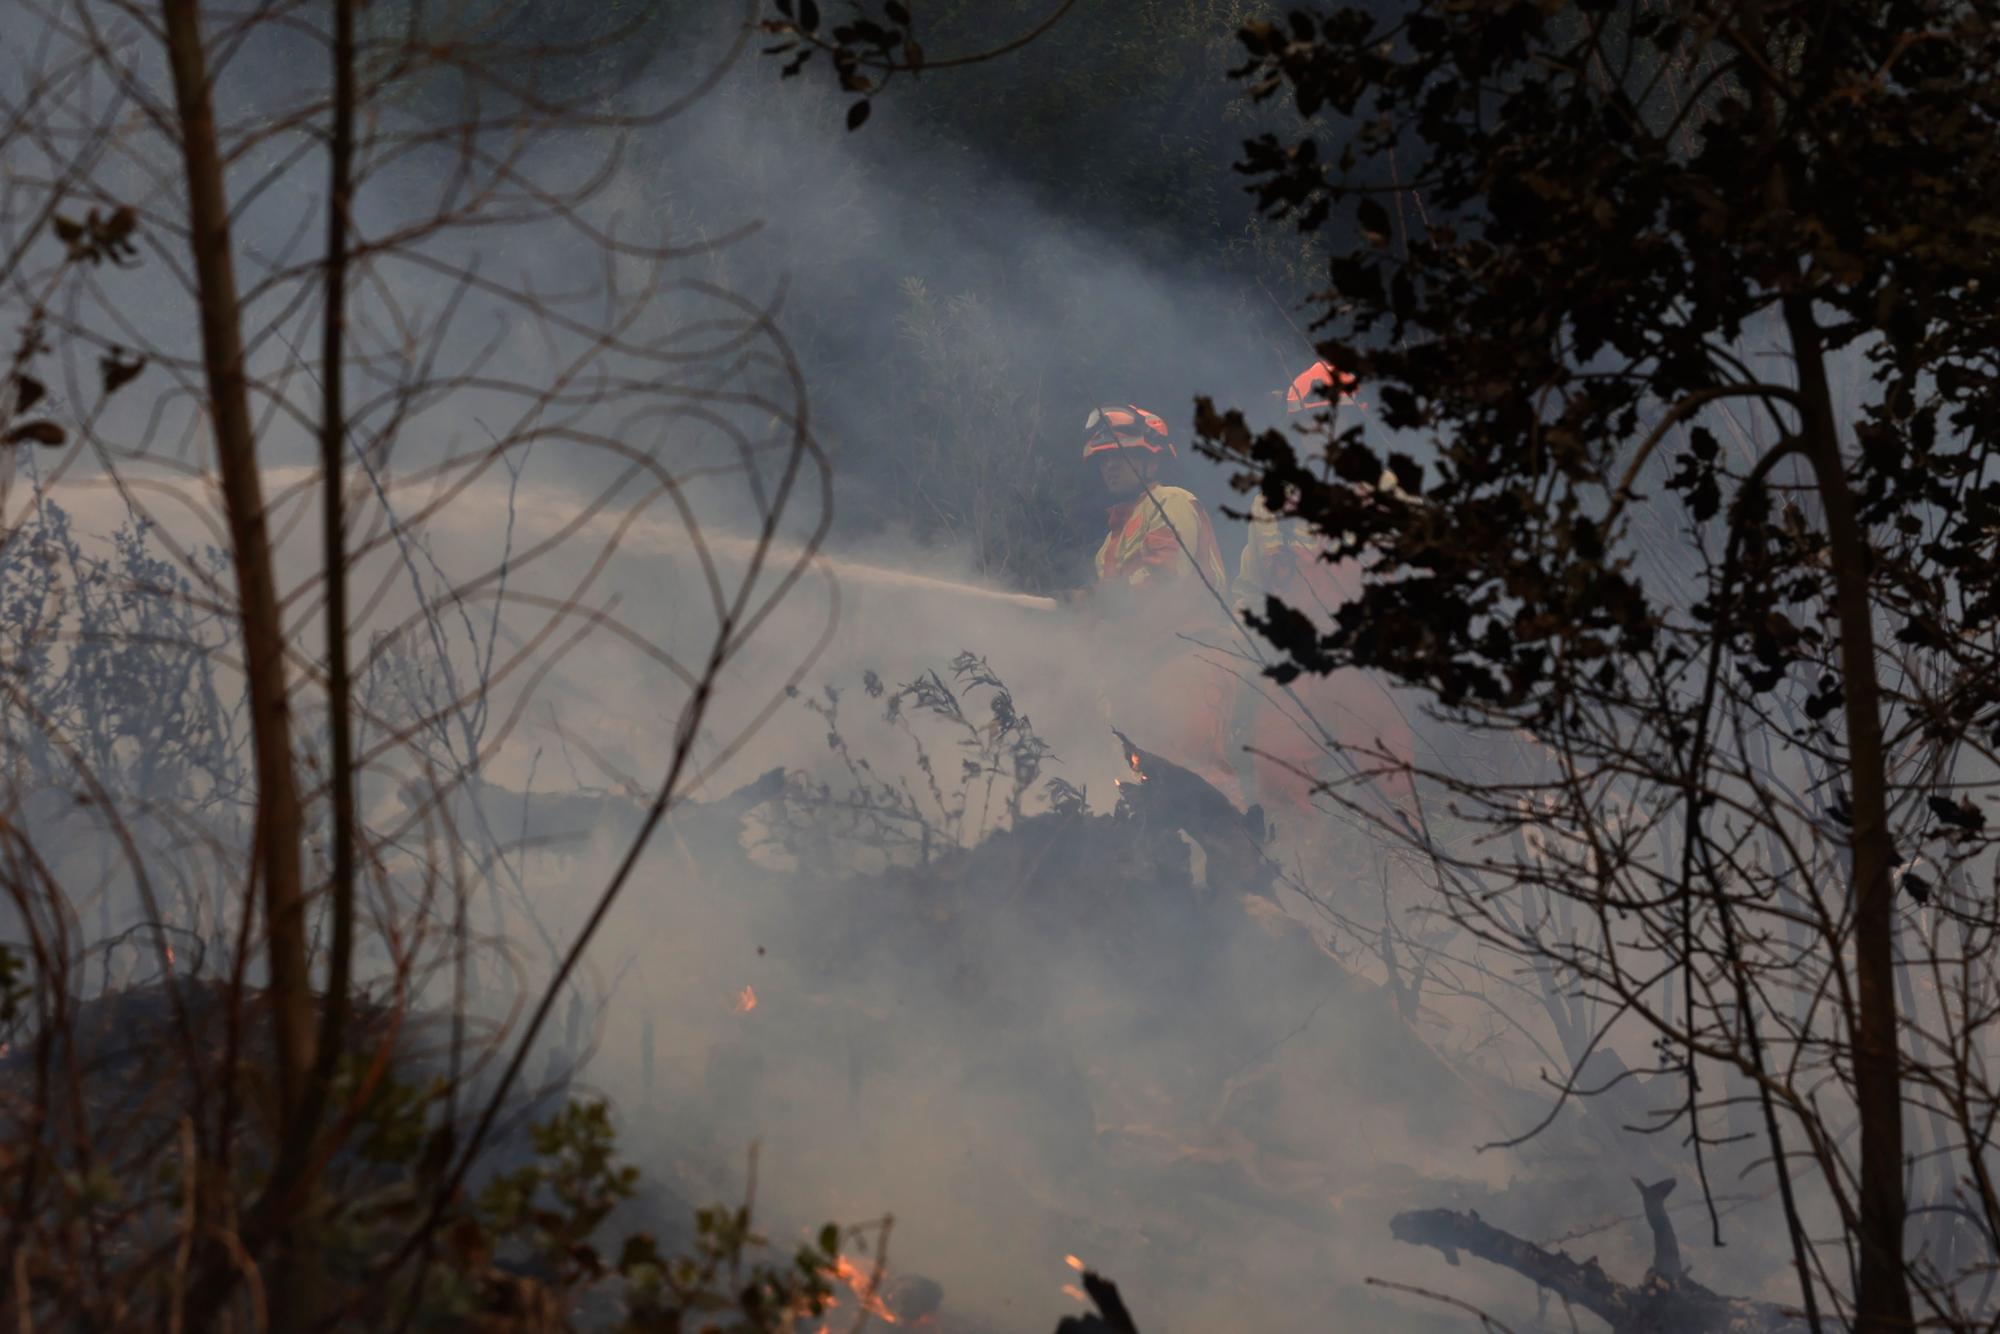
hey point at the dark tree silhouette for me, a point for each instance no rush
(1692, 304)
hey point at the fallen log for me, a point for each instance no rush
(1665, 1301)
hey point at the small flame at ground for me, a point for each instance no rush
(861, 1282)
(746, 1000)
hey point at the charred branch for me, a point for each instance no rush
(1666, 1247)
(1111, 1317)
(1665, 1301)
(1165, 794)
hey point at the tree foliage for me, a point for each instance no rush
(1696, 330)
(1610, 234)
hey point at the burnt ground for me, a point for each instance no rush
(1103, 1050)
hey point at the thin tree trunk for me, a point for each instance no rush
(292, 1184)
(278, 818)
(332, 443)
(1882, 1295)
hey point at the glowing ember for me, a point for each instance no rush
(746, 1000)
(1070, 1289)
(1131, 758)
(861, 1282)
(170, 956)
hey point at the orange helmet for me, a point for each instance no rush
(1310, 389)
(1126, 427)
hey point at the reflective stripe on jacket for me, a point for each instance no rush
(1152, 537)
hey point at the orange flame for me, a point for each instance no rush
(861, 1281)
(1070, 1289)
(746, 1000)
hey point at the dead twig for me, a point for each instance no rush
(1486, 1321)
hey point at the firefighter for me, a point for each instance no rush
(1160, 578)
(1285, 559)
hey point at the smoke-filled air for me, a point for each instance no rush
(999, 665)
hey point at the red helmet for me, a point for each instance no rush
(1126, 427)
(1311, 388)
